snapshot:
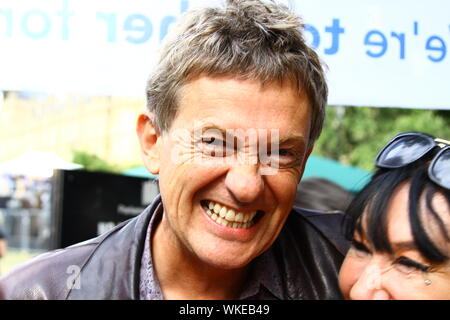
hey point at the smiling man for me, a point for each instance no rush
(235, 105)
(203, 199)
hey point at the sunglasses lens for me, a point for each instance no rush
(404, 150)
(440, 168)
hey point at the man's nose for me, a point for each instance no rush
(245, 183)
(369, 285)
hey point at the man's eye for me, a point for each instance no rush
(213, 141)
(215, 147)
(285, 158)
(407, 265)
(285, 153)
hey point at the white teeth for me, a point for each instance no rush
(229, 217)
(222, 221)
(223, 212)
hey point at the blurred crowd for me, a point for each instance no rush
(25, 211)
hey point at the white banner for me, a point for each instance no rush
(379, 52)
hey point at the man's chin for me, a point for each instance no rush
(232, 261)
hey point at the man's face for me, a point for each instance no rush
(201, 171)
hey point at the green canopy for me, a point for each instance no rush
(352, 179)
(140, 172)
(348, 177)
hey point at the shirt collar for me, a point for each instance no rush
(149, 288)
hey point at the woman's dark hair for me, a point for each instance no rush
(373, 201)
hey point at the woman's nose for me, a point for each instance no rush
(369, 285)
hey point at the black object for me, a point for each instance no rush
(86, 204)
(406, 148)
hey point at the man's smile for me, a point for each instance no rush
(228, 217)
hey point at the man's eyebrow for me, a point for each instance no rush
(213, 127)
(293, 139)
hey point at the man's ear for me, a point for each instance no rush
(150, 141)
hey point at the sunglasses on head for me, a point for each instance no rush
(406, 148)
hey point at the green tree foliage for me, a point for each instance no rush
(354, 135)
(92, 162)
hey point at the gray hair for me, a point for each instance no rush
(247, 39)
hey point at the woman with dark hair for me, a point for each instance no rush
(399, 224)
